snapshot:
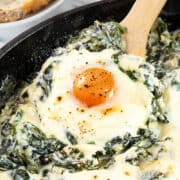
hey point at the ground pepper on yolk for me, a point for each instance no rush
(94, 86)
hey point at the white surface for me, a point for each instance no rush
(10, 30)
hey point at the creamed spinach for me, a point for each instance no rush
(25, 149)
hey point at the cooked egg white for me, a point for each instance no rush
(126, 111)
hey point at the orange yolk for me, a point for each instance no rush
(93, 86)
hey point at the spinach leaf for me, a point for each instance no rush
(33, 150)
(176, 84)
(158, 112)
(133, 75)
(100, 36)
(163, 49)
(153, 175)
(6, 164)
(7, 88)
(18, 117)
(45, 82)
(71, 138)
(21, 174)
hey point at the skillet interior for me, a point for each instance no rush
(26, 53)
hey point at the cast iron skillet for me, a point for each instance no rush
(26, 53)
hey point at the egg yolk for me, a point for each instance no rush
(93, 86)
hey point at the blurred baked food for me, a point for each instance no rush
(12, 10)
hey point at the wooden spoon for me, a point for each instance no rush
(139, 22)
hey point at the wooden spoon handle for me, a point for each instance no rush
(139, 22)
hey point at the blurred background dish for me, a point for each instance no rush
(10, 30)
(14, 10)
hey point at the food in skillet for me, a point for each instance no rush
(94, 112)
